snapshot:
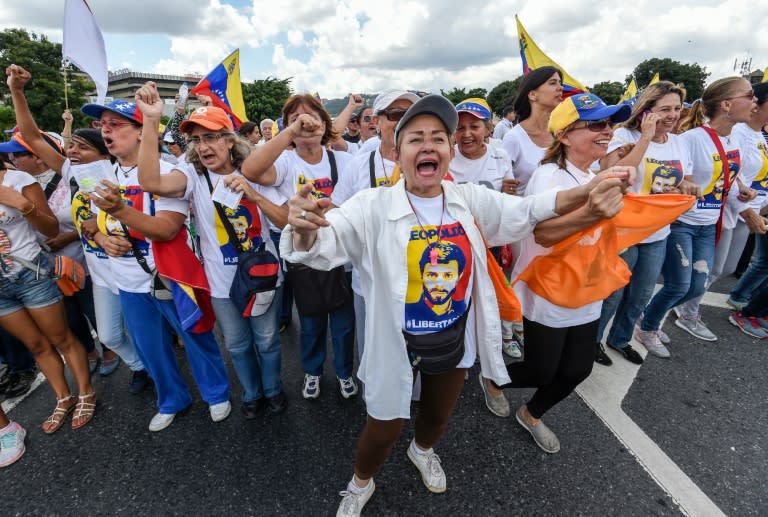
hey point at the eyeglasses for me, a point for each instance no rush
(367, 118)
(393, 115)
(594, 125)
(114, 123)
(207, 139)
(749, 95)
(21, 154)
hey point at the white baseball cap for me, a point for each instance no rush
(387, 97)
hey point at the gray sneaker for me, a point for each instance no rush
(650, 340)
(696, 328)
(663, 337)
(735, 304)
(499, 406)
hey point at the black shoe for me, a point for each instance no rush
(20, 383)
(139, 381)
(630, 354)
(277, 404)
(5, 380)
(601, 357)
(253, 408)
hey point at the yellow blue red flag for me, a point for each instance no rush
(534, 58)
(223, 86)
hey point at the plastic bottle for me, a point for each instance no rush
(183, 95)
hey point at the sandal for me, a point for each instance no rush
(84, 410)
(58, 416)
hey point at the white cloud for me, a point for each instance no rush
(425, 44)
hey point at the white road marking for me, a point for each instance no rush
(9, 404)
(604, 391)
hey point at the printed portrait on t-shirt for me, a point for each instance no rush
(321, 187)
(713, 193)
(133, 196)
(760, 183)
(81, 211)
(438, 277)
(661, 176)
(247, 226)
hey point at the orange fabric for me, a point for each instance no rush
(509, 305)
(586, 267)
(69, 274)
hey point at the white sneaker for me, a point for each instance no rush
(311, 389)
(511, 348)
(428, 463)
(12, 444)
(663, 337)
(220, 411)
(347, 387)
(650, 340)
(354, 499)
(160, 421)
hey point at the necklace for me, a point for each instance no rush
(430, 245)
(125, 172)
(384, 168)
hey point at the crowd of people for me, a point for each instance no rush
(385, 227)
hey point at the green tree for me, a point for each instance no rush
(45, 92)
(503, 94)
(692, 76)
(7, 121)
(265, 98)
(457, 95)
(609, 91)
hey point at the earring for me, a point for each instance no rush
(231, 156)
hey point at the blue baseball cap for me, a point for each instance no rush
(476, 106)
(120, 107)
(586, 106)
(18, 145)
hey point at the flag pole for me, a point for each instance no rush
(64, 64)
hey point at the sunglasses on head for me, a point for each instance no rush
(594, 125)
(393, 114)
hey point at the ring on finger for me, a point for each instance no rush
(303, 214)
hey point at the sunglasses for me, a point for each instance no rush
(594, 125)
(393, 114)
(367, 118)
(114, 124)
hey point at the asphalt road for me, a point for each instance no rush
(705, 408)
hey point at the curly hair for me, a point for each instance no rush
(237, 154)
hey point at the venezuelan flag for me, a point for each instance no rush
(534, 58)
(223, 86)
(176, 262)
(630, 92)
(655, 78)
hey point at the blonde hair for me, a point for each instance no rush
(237, 154)
(709, 104)
(649, 98)
(556, 151)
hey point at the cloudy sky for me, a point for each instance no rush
(339, 46)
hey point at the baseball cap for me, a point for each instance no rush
(120, 107)
(585, 106)
(476, 106)
(435, 105)
(18, 145)
(387, 97)
(209, 117)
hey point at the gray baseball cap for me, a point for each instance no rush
(436, 105)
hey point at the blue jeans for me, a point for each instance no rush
(645, 262)
(690, 257)
(27, 289)
(314, 337)
(756, 274)
(254, 345)
(150, 322)
(110, 326)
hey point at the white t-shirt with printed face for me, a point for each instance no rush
(489, 170)
(293, 173)
(219, 254)
(129, 275)
(524, 154)
(356, 176)
(662, 166)
(60, 203)
(707, 171)
(755, 163)
(96, 258)
(17, 236)
(433, 283)
(535, 308)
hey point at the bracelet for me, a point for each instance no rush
(32, 209)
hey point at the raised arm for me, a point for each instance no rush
(17, 80)
(342, 120)
(259, 167)
(173, 184)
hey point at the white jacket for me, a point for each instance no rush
(371, 231)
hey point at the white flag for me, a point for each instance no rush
(84, 44)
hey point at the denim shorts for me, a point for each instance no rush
(26, 290)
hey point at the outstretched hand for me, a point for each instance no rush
(305, 213)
